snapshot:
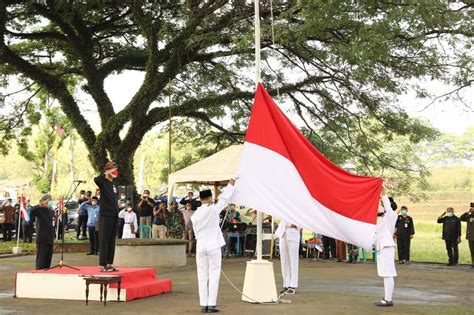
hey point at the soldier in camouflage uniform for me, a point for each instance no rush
(175, 222)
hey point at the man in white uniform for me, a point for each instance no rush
(289, 235)
(385, 247)
(208, 247)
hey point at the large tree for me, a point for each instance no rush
(339, 64)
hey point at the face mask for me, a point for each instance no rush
(145, 196)
(114, 173)
(82, 196)
(404, 212)
(50, 204)
(94, 204)
(449, 214)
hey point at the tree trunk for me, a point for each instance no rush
(140, 173)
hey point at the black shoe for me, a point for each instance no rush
(91, 253)
(96, 253)
(384, 303)
(213, 309)
(284, 290)
(449, 264)
(204, 309)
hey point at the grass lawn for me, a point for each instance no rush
(6, 247)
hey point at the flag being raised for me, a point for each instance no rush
(281, 173)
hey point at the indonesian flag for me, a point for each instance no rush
(60, 208)
(281, 173)
(24, 214)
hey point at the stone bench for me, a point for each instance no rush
(136, 252)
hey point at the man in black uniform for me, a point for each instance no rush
(108, 220)
(329, 245)
(404, 231)
(468, 217)
(44, 232)
(451, 234)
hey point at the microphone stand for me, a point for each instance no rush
(61, 263)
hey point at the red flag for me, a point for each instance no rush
(283, 174)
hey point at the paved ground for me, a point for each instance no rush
(325, 288)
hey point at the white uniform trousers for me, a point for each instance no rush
(289, 258)
(386, 262)
(209, 272)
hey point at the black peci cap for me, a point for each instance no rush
(205, 194)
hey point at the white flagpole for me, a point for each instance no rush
(259, 282)
(257, 80)
(17, 250)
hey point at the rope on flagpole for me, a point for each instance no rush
(257, 42)
(273, 42)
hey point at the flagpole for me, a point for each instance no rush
(257, 81)
(17, 250)
(259, 282)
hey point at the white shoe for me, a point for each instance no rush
(290, 291)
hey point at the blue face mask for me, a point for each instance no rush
(449, 214)
(404, 212)
(50, 204)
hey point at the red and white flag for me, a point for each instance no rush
(60, 208)
(281, 173)
(23, 208)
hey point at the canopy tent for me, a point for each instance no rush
(214, 170)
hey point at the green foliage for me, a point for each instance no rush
(449, 149)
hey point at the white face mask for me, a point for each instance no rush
(94, 204)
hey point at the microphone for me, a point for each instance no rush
(80, 181)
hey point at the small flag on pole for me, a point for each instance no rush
(23, 208)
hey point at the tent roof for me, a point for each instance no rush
(216, 169)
